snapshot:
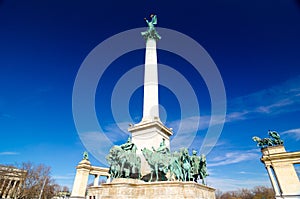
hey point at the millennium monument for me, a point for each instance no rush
(144, 166)
(280, 166)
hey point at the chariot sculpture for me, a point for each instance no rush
(272, 140)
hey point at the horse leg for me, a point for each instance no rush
(171, 174)
(133, 172)
(140, 174)
(118, 171)
(156, 171)
(122, 168)
(151, 176)
(195, 177)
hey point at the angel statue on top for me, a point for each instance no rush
(151, 33)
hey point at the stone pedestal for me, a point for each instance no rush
(81, 179)
(136, 189)
(148, 135)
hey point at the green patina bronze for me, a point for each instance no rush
(85, 156)
(185, 162)
(272, 140)
(203, 169)
(158, 163)
(151, 33)
(123, 161)
(180, 165)
(198, 169)
(195, 162)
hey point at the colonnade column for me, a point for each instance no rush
(96, 180)
(7, 188)
(12, 190)
(273, 181)
(2, 187)
(108, 179)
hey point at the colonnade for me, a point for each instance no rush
(11, 180)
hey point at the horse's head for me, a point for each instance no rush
(256, 139)
(274, 134)
(115, 151)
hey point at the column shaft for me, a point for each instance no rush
(12, 190)
(2, 187)
(273, 181)
(108, 179)
(96, 180)
(151, 108)
(6, 189)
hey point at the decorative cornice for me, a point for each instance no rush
(152, 124)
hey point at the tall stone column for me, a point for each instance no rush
(151, 104)
(81, 179)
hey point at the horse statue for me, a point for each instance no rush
(114, 170)
(262, 142)
(175, 167)
(123, 163)
(157, 162)
(275, 138)
(113, 159)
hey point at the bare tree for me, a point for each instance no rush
(263, 192)
(259, 192)
(218, 193)
(38, 182)
(65, 189)
(245, 194)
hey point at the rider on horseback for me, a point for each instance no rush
(163, 149)
(128, 146)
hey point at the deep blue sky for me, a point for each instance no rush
(255, 45)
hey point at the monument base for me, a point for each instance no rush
(137, 189)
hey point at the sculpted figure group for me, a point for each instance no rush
(123, 161)
(180, 166)
(272, 140)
